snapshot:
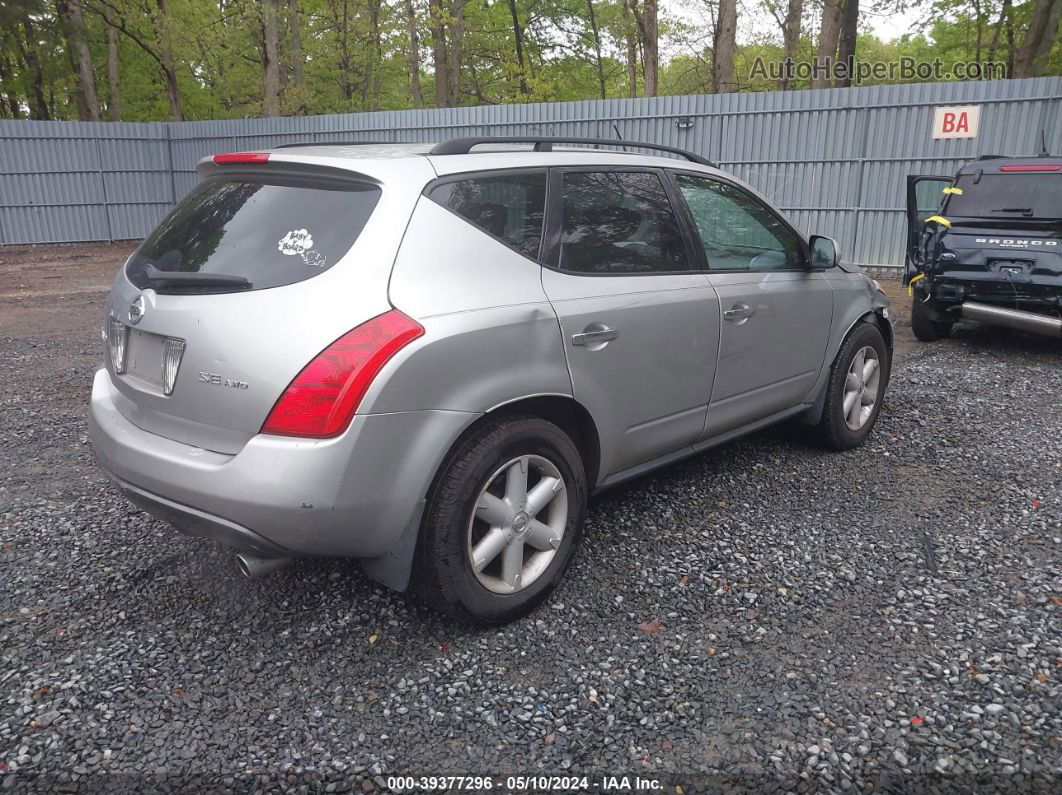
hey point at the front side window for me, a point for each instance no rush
(616, 222)
(737, 232)
(509, 207)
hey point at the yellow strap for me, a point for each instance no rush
(910, 284)
(953, 191)
(940, 219)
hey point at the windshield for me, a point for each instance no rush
(1017, 196)
(267, 232)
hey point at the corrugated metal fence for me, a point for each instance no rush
(835, 160)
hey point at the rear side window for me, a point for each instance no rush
(269, 233)
(617, 222)
(509, 207)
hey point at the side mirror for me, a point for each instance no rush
(823, 252)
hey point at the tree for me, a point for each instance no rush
(791, 36)
(73, 24)
(414, 55)
(114, 105)
(846, 46)
(829, 33)
(270, 59)
(645, 19)
(724, 47)
(1041, 35)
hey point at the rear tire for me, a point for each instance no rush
(481, 526)
(853, 401)
(925, 321)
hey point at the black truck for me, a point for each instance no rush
(986, 245)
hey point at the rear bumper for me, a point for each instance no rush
(352, 496)
(1024, 292)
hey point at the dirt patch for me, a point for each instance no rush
(36, 271)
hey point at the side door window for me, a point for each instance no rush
(509, 207)
(618, 222)
(737, 232)
(639, 328)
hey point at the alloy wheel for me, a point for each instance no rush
(861, 388)
(519, 520)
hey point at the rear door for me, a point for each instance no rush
(640, 330)
(925, 194)
(776, 311)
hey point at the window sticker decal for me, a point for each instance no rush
(300, 242)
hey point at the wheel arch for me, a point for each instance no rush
(393, 569)
(563, 411)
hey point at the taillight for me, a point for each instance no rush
(241, 158)
(117, 335)
(321, 400)
(1031, 169)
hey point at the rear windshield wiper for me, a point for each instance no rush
(1022, 210)
(192, 279)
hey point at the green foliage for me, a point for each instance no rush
(356, 54)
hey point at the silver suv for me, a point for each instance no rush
(428, 357)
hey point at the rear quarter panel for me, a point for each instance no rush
(491, 335)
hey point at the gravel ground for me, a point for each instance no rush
(767, 615)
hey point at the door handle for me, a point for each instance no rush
(595, 336)
(739, 313)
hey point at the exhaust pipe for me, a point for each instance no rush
(254, 567)
(1013, 318)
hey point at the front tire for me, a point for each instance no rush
(925, 322)
(502, 521)
(855, 390)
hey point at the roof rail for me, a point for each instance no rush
(336, 143)
(462, 146)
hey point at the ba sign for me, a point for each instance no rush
(958, 122)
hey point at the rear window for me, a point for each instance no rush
(1014, 196)
(270, 233)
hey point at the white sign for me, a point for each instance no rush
(957, 122)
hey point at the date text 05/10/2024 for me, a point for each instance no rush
(534, 783)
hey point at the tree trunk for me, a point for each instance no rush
(114, 105)
(169, 67)
(791, 39)
(457, 29)
(650, 48)
(370, 89)
(270, 60)
(28, 53)
(295, 23)
(632, 49)
(414, 55)
(724, 47)
(518, 35)
(827, 49)
(439, 55)
(846, 46)
(1043, 26)
(597, 47)
(73, 23)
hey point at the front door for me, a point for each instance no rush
(775, 311)
(924, 198)
(640, 330)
